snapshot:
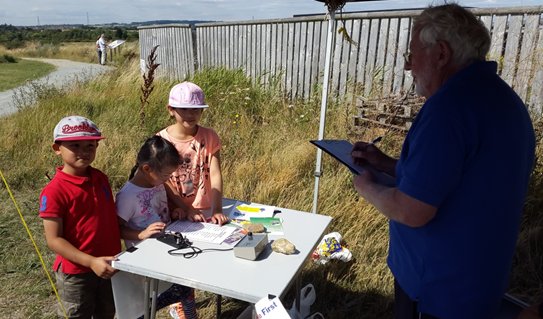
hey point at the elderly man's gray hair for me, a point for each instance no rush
(466, 35)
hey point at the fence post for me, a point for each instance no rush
(194, 47)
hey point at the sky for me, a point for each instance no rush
(40, 12)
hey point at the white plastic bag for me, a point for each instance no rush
(330, 248)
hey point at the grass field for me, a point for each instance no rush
(266, 158)
(74, 51)
(13, 75)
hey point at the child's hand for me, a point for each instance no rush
(177, 213)
(195, 215)
(219, 218)
(152, 229)
(102, 267)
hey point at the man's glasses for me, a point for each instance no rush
(407, 57)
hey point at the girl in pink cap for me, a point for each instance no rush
(196, 186)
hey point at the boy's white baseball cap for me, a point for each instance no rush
(187, 95)
(76, 128)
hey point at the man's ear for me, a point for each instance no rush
(445, 54)
(56, 148)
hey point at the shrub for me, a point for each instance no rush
(6, 58)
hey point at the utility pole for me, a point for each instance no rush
(38, 21)
(87, 18)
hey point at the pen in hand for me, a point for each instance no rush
(376, 140)
(372, 143)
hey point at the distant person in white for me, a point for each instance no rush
(98, 51)
(101, 46)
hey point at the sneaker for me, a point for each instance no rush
(176, 311)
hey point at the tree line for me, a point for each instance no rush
(12, 37)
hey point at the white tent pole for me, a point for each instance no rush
(324, 100)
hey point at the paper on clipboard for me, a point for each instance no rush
(341, 151)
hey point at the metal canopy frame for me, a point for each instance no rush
(324, 101)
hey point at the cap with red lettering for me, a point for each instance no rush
(76, 128)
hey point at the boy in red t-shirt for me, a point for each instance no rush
(80, 222)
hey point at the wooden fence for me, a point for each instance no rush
(291, 51)
(175, 52)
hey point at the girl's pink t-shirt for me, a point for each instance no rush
(192, 177)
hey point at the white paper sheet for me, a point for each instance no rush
(245, 211)
(202, 232)
(271, 309)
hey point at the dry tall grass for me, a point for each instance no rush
(266, 158)
(74, 51)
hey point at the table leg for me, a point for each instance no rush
(146, 298)
(218, 300)
(150, 294)
(154, 293)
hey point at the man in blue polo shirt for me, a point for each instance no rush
(461, 177)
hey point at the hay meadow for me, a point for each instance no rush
(266, 158)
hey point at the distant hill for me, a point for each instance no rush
(155, 22)
(105, 25)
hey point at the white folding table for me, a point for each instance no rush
(222, 273)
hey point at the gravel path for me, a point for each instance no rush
(65, 72)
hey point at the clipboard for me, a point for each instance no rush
(341, 151)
